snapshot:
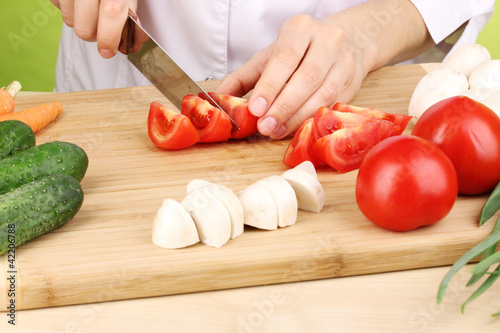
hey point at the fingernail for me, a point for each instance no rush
(267, 126)
(279, 133)
(258, 107)
(105, 53)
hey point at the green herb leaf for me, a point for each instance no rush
(491, 205)
(491, 240)
(483, 265)
(486, 284)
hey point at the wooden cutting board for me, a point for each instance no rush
(106, 253)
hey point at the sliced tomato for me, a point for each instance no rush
(328, 121)
(300, 148)
(400, 121)
(212, 124)
(345, 148)
(170, 130)
(237, 109)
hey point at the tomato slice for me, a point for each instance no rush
(400, 121)
(300, 148)
(170, 130)
(212, 124)
(237, 109)
(328, 121)
(345, 148)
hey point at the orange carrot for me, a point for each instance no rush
(7, 95)
(36, 117)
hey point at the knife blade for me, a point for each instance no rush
(159, 68)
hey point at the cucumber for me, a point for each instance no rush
(36, 208)
(15, 136)
(43, 160)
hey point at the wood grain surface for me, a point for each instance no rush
(106, 253)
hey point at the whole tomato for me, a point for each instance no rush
(406, 182)
(469, 134)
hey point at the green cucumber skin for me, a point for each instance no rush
(43, 160)
(38, 207)
(15, 137)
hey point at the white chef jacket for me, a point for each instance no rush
(210, 39)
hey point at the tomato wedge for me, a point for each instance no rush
(400, 121)
(212, 124)
(300, 148)
(170, 130)
(328, 121)
(345, 148)
(237, 109)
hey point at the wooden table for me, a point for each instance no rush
(388, 302)
(402, 301)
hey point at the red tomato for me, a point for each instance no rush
(406, 182)
(169, 129)
(300, 148)
(212, 124)
(342, 138)
(345, 148)
(469, 133)
(237, 109)
(328, 121)
(400, 121)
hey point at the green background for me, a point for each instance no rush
(30, 31)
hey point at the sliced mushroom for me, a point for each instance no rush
(309, 191)
(196, 183)
(227, 197)
(173, 227)
(308, 167)
(284, 198)
(259, 207)
(211, 217)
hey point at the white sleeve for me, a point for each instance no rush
(453, 22)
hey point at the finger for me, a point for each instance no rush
(67, 8)
(140, 37)
(287, 54)
(302, 86)
(85, 22)
(339, 85)
(56, 3)
(243, 79)
(112, 16)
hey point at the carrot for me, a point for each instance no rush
(36, 117)
(7, 95)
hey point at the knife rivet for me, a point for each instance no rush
(210, 78)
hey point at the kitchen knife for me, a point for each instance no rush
(159, 68)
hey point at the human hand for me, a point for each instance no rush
(97, 20)
(311, 64)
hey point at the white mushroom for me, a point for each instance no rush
(211, 217)
(308, 167)
(309, 191)
(437, 85)
(487, 96)
(173, 227)
(466, 57)
(486, 75)
(284, 198)
(196, 183)
(259, 207)
(227, 197)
